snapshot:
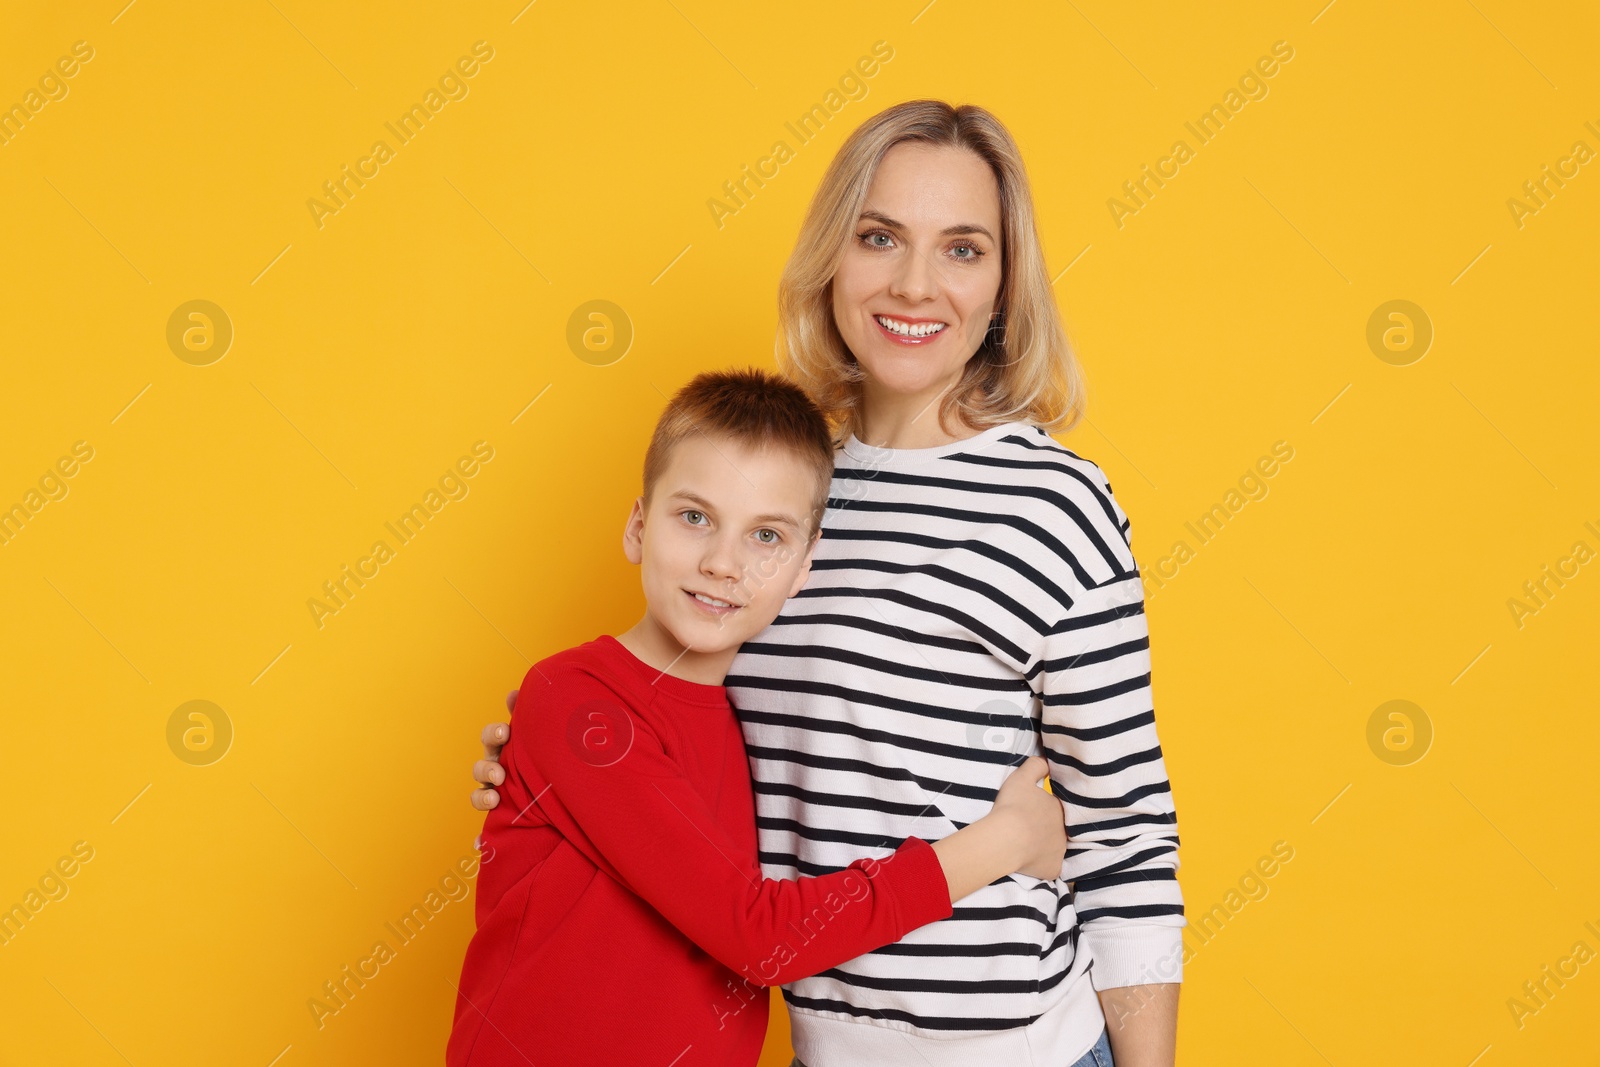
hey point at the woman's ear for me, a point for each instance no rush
(633, 533)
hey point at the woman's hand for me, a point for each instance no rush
(487, 772)
(1034, 818)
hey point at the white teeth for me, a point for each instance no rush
(926, 329)
(713, 603)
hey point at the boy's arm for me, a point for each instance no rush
(631, 810)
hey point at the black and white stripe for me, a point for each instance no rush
(967, 605)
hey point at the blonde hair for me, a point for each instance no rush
(1023, 371)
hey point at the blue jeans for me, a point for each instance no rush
(1098, 1056)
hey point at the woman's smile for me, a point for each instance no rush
(906, 331)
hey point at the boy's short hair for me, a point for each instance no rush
(752, 407)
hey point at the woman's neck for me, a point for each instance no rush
(892, 421)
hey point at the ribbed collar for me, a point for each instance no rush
(872, 456)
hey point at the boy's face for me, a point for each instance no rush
(730, 523)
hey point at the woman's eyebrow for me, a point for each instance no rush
(958, 230)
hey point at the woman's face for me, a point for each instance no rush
(915, 292)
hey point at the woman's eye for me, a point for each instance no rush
(868, 238)
(975, 253)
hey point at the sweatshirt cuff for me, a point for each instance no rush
(916, 878)
(1134, 954)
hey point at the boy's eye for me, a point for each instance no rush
(689, 516)
(776, 537)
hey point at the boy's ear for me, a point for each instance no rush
(805, 566)
(633, 533)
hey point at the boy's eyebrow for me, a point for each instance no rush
(957, 230)
(705, 505)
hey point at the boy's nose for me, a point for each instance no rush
(721, 561)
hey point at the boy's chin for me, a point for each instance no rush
(708, 638)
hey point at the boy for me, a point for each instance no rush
(622, 915)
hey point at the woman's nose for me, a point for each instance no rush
(914, 278)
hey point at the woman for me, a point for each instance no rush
(973, 597)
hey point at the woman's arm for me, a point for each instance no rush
(1092, 674)
(642, 821)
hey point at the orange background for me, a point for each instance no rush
(374, 346)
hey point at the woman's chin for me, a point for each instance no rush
(906, 381)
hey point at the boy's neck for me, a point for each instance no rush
(657, 648)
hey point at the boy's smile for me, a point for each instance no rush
(713, 606)
(723, 543)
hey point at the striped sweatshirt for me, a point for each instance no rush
(968, 605)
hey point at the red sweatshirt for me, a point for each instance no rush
(622, 914)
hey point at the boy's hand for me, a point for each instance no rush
(487, 771)
(1037, 819)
